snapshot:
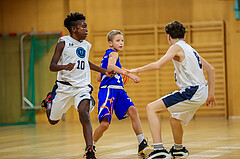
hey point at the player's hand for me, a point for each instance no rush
(211, 102)
(125, 71)
(136, 79)
(69, 66)
(110, 73)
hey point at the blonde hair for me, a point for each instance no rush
(112, 34)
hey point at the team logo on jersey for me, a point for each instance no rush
(81, 52)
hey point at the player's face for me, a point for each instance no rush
(81, 30)
(118, 42)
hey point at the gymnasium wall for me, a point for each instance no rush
(222, 10)
(105, 15)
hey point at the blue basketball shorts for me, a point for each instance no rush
(183, 104)
(113, 99)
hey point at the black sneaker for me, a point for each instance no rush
(182, 153)
(94, 148)
(45, 102)
(159, 154)
(90, 154)
(144, 149)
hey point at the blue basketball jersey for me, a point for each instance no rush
(117, 79)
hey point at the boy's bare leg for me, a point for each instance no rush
(48, 112)
(102, 127)
(153, 110)
(83, 110)
(136, 123)
(177, 130)
(143, 148)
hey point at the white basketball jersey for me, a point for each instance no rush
(75, 52)
(189, 72)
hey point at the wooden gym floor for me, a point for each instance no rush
(205, 138)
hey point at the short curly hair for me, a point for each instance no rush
(175, 30)
(72, 19)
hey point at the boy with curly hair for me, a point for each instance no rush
(183, 104)
(73, 85)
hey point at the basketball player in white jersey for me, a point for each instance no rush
(183, 104)
(73, 85)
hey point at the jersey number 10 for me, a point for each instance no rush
(81, 65)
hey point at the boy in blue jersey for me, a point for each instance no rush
(112, 96)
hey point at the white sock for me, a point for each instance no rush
(158, 146)
(140, 138)
(178, 146)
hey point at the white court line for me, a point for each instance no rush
(231, 148)
(209, 154)
(217, 152)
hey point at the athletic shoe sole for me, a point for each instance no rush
(167, 156)
(147, 150)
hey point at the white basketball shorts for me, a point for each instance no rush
(183, 104)
(66, 96)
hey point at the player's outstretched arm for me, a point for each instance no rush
(57, 54)
(211, 102)
(107, 72)
(172, 51)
